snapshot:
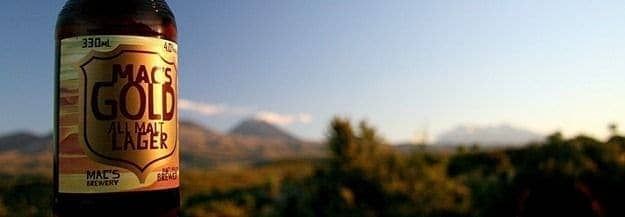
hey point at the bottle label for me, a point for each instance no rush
(118, 117)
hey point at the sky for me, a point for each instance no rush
(403, 66)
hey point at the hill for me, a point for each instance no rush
(25, 142)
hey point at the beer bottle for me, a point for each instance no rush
(116, 118)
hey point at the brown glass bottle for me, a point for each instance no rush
(81, 18)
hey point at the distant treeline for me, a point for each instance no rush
(363, 176)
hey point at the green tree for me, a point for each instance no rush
(367, 177)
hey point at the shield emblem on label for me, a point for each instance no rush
(129, 108)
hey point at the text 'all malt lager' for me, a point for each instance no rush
(116, 116)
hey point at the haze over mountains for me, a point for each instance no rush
(501, 135)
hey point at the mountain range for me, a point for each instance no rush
(501, 135)
(251, 141)
(256, 141)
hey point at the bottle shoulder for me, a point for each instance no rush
(152, 18)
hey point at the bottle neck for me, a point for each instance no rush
(116, 7)
(151, 18)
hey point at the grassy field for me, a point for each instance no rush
(25, 188)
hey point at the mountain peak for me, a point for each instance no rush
(262, 129)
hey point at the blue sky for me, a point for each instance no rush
(404, 66)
